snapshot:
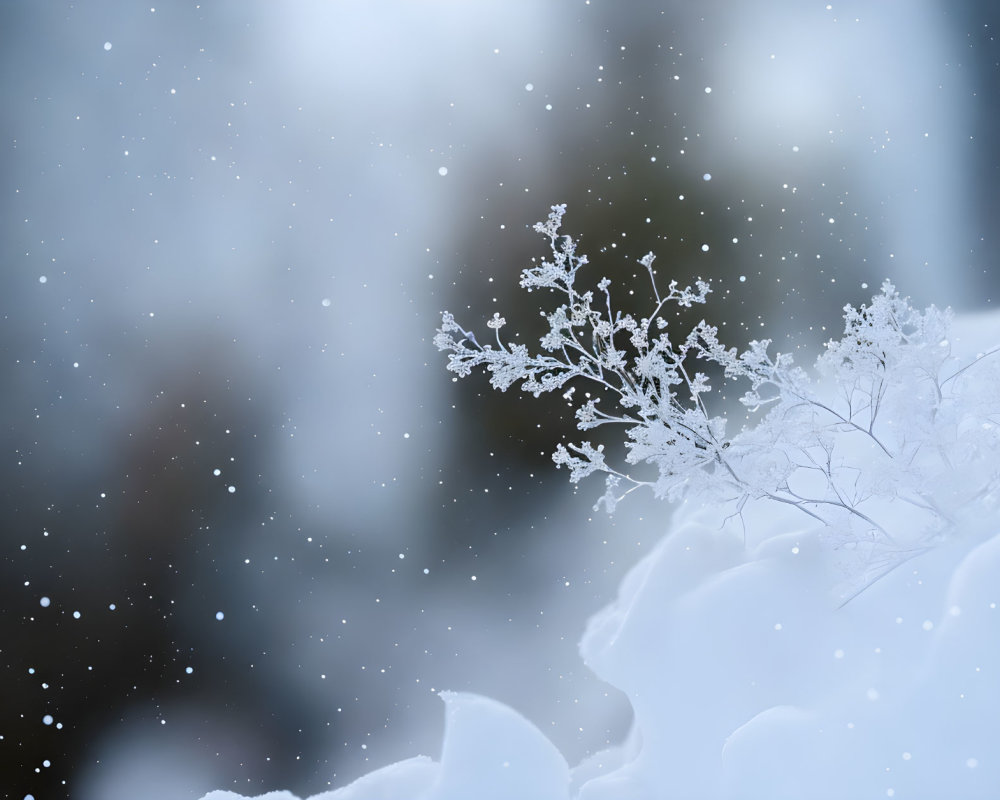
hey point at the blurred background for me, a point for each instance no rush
(249, 526)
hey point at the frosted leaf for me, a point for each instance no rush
(592, 460)
(551, 226)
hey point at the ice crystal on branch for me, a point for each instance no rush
(880, 432)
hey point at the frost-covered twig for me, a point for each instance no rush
(881, 427)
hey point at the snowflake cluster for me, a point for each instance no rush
(884, 428)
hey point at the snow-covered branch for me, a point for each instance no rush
(878, 426)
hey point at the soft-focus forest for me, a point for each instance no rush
(248, 525)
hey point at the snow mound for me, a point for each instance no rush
(748, 681)
(490, 753)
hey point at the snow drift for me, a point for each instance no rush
(748, 681)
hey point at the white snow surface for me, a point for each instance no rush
(751, 678)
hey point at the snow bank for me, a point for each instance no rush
(748, 681)
(490, 753)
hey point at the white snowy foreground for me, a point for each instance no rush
(751, 677)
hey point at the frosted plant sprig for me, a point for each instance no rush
(880, 431)
(585, 342)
